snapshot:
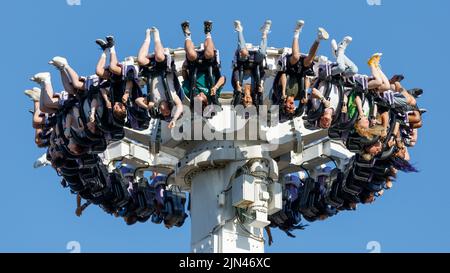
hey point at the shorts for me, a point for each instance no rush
(400, 101)
(247, 79)
(64, 96)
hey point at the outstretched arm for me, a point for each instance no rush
(104, 93)
(179, 110)
(359, 106)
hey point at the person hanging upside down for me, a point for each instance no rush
(297, 68)
(203, 81)
(161, 78)
(249, 71)
(343, 64)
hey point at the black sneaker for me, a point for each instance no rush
(103, 45)
(416, 92)
(110, 40)
(208, 26)
(397, 78)
(185, 28)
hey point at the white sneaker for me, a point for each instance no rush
(41, 162)
(334, 47)
(59, 62)
(40, 77)
(34, 94)
(345, 42)
(378, 54)
(153, 29)
(322, 34)
(238, 26)
(299, 25)
(266, 27)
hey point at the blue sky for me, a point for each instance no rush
(38, 215)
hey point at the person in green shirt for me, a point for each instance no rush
(203, 81)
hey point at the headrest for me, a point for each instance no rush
(91, 81)
(126, 171)
(292, 179)
(130, 60)
(159, 179)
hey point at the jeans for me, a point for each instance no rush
(344, 65)
(242, 45)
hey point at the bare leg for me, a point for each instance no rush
(114, 65)
(191, 54)
(312, 53)
(386, 84)
(414, 117)
(143, 52)
(322, 35)
(377, 82)
(37, 137)
(48, 103)
(159, 49)
(74, 78)
(100, 68)
(209, 47)
(37, 119)
(295, 57)
(67, 84)
(189, 47)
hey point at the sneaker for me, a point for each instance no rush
(41, 162)
(334, 47)
(266, 27)
(423, 111)
(416, 92)
(103, 45)
(40, 77)
(322, 34)
(153, 29)
(207, 26)
(34, 94)
(345, 42)
(375, 59)
(185, 28)
(238, 26)
(299, 25)
(397, 78)
(59, 62)
(110, 40)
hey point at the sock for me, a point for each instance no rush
(208, 36)
(112, 50)
(187, 37)
(297, 34)
(103, 54)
